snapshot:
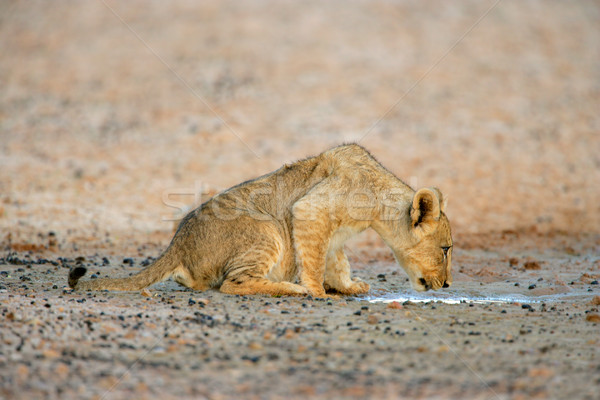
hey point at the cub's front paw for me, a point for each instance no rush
(294, 290)
(316, 291)
(357, 287)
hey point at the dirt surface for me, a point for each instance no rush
(116, 116)
(168, 342)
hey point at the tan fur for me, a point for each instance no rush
(259, 236)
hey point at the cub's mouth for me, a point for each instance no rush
(423, 285)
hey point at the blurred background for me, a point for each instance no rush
(108, 107)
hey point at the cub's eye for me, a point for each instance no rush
(445, 250)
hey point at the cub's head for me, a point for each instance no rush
(427, 260)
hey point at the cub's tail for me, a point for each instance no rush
(160, 270)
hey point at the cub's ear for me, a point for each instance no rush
(425, 211)
(443, 199)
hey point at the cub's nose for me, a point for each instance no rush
(445, 285)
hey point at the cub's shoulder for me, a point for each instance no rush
(348, 150)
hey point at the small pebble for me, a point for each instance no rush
(255, 346)
(253, 359)
(289, 334)
(592, 317)
(532, 265)
(394, 305)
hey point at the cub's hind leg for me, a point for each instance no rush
(247, 273)
(183, 276)
(248, 284)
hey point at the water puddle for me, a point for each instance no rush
(469, 295)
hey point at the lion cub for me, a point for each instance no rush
(259, 236)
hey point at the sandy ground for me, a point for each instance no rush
(173, 343)
(114, 117)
